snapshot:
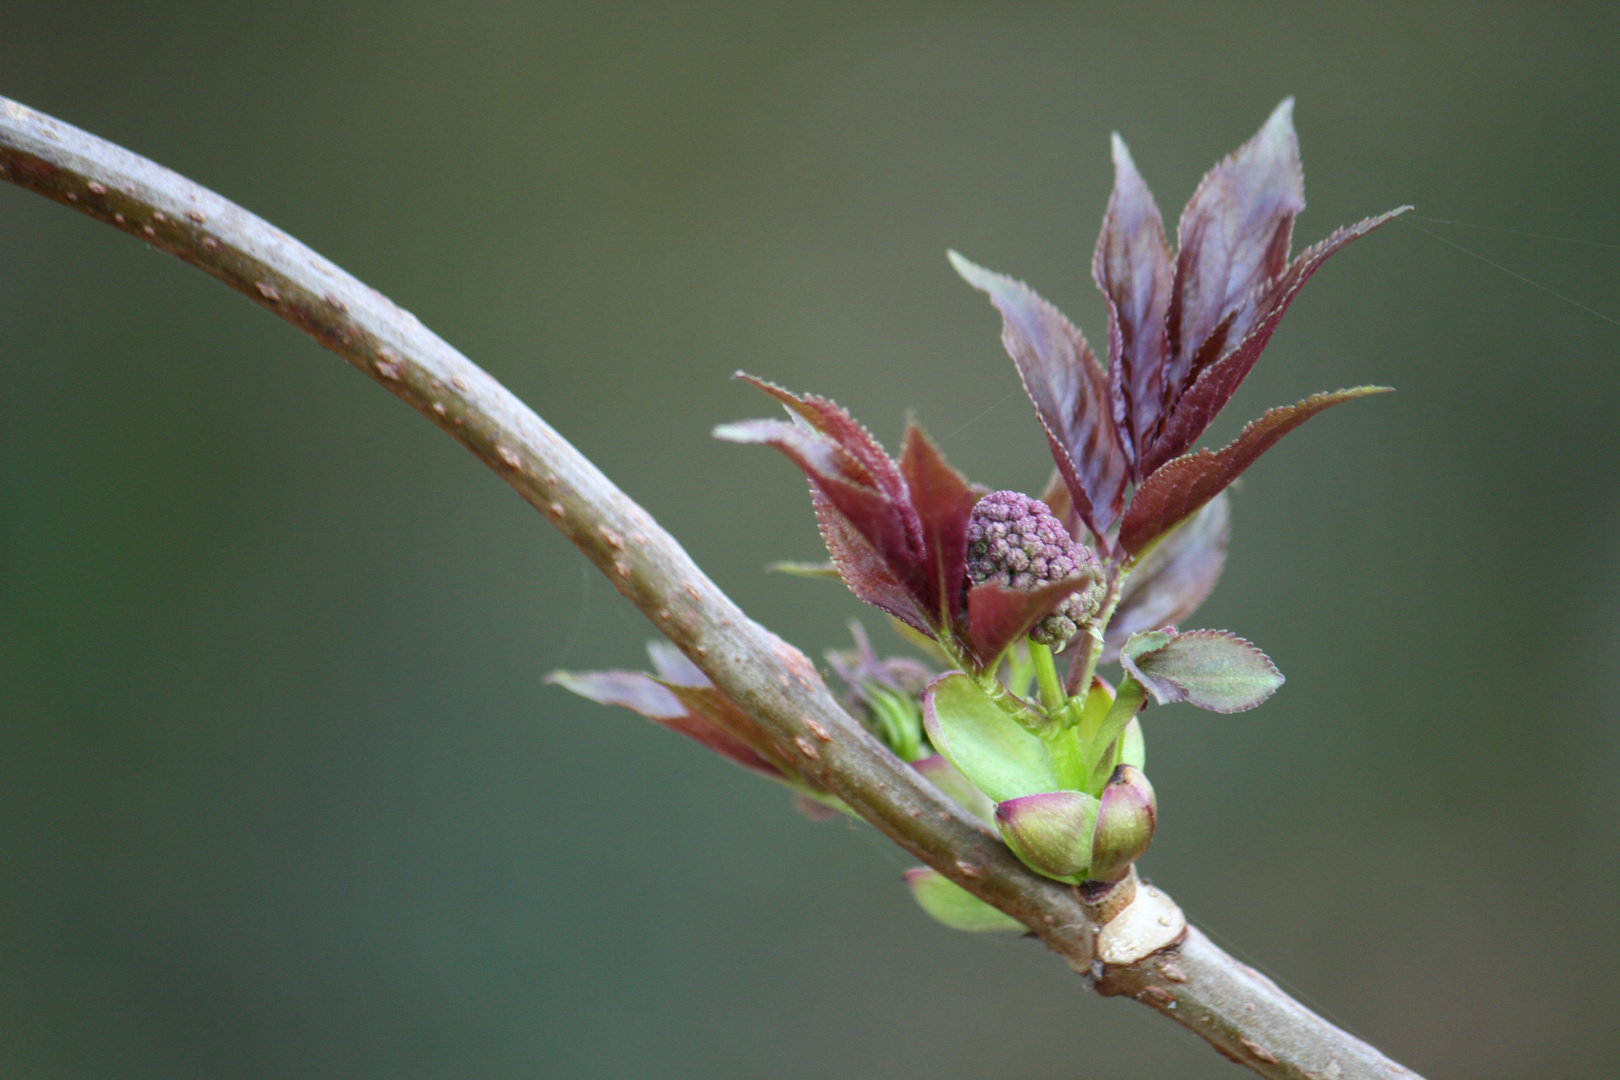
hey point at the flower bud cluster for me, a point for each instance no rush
(1015, 541)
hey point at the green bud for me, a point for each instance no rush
(1125, 820)
(898, 720)
(953, 905)
(1050, 832)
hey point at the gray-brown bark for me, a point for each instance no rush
(1244, 1015)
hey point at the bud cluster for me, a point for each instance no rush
(1072, 836)
(1016, 541)
(995, 584)
(882, 693)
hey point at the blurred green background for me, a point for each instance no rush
(281, 794)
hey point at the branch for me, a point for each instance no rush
(1237, 1010)
(1244, 1015)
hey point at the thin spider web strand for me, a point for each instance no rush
(1510, 273)
(1520, 232)
(986, 412)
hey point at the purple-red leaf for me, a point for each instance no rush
(998, 616)
(820, 458)
(714, 720)
(1252, 326)
(662, 704)
(1175, 577)
(705, 703)
(634, 690)
(1133, 268)
(673, 666)
(831, 421)
(943, 501)
(897, 532)
(1233, 238)
(888, 525)
(1184, 485)
(1069, 391)
(1212, 669)
(724, 744)
(866, 574)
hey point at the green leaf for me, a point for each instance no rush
(1127, 703)
(956, 787)
(953, 905)
(1212, 669)
(1146, 642)
(1133, 747)
(990, 748)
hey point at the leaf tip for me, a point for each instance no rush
(1120, 152)
(1349, 394)
(794, 568)
(732, 432)
(970, 271)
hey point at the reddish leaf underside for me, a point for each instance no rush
(714, 719)
(997, 616)
(888, 526)
(641, 693)
(897, 532)
(634, 690)
(1069, 390)
(866, 574)
(942, 501)
(832, 421)
(1174, 578)
(1191, 413)
(1233, 237)
(1182, 486)
(1132, 266)
(728, 747)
